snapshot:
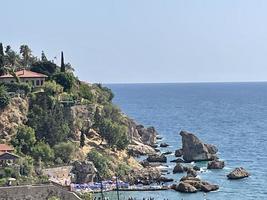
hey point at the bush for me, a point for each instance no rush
(114, 133)
(66, 80)
(4, 97)
(44, 67)
(24, 140)
(100, 162)
(26, 166)
(65, 151)
(52, 88)
(15, 87)
(85, 91)
(43, 151)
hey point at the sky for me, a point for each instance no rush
(144, 41)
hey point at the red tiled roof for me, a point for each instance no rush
(5, 147)
(25, 74)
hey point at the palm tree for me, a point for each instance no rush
(25, 51)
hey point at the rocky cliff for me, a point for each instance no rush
(12, 116)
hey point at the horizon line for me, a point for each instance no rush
(183, 82)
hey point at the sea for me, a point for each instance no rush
(232, 116)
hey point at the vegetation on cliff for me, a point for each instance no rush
(47, 137)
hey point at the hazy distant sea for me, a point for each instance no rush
(233, 116)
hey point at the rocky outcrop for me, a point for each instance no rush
(185, 187)
(148, 135)
(238, 173)
(138, 149)
(164, 145)
(14, 115)
(215, 164)
(195, 150)
(145, 176)
(178, 153)
(191, 184)
(179, 168)
(191, 172)
(157, 158)
(178, 160)
(84, 172)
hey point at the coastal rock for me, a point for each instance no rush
(215, 164)
(148, 135)
(138, 149)
(207, 187)
(189, 178)
(178, 153)
(178, 168)
(185, 187)
(178, 160)
(84, 172)
(167, 153)
(164, 145)
(238, 173)
(157, 158)
(144, 176)
(196, 168)
(196, 150)
(191, 172)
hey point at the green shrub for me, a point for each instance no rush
(52, 88)
(44, 67)
(65, 151)
(43, 151)
(26, 166)
(100, 162)
(65, 79)
(4, 97)
(24, 140)
(15, 87)
(85, 91)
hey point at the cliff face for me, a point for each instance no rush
(12, 116)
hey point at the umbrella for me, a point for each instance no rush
(11, 179)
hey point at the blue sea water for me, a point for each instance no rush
(233, 116)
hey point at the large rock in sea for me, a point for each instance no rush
(84, 172)
(157, 158)
(238, 173)
(178, 168)
(195, 150)
(215, 164)
(185, 187)
(198, 184)
(178, 153)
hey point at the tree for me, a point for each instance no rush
(62, 66)
(44, 67)
(2, 69)
(100, 162)
(65, 151)
(114, 133)
(82, 139)
(43, 57)
(4, 97)
(25, 51)
(24, 140)
(43, 151)
(67, 80)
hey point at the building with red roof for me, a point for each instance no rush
(6, 148)
(36, 79)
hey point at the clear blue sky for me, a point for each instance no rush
(125, 41)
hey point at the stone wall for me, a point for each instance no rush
(40, 192)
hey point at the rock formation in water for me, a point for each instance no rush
(215, 164)
(238, 173)
(195, 150)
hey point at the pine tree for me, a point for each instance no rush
(43, 57)
(62, 66)
(2, 71)
(82, 139)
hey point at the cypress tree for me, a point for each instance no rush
(62, 66)
(82, 139)
(2, 71)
